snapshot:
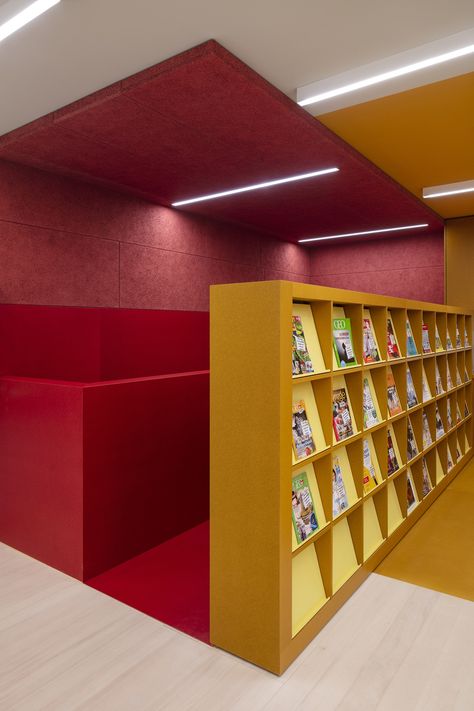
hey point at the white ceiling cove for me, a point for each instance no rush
(80, 46)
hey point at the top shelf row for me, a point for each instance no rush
(329, 336)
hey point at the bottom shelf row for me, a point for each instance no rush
(337, 550)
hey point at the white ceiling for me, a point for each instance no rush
(83, 45)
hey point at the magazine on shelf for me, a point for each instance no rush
(341, 415)
(425, 339)
(458, 338)
(466, 339)
(303, 442)
(393, 350)
(427, 439)
(369, 477)
(370, 411)
(438, 344)
(302, 364)
(458, 413)
(412, 449)
(449, 417)
(449, 458)
(412, 400)
(411, 345)
(466, 375)
(304, 515)
(458, 377)
(412, 497)
(427, 485)
(426, 392)
(439, 424)
(394, 405)
(466, 409)
(449, 343)
(458, 451)
(439, 383)
(449, 380)
(339, 495)
(342, 341)
(369, 344)
(393, 464)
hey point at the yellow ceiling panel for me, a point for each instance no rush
(421, 137)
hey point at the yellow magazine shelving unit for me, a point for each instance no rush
(273, 586)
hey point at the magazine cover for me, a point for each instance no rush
(439, 382)
(466, 409)
(439, 424)
(369, 477)
(302, 434)
(458, 377)
(412, 449)
(370, 413)
(342, 340)
(427, 440)
(449, 343)
(425, 339)
(412, 498)
(438, 344)
(466, 340)
(427, 485)
(458, 413)
(449, 379)
(466, 376)
(394, 405)
(425, 387)
(458, 451)
(302, 364)
(449, 417)
(458, 338)
(339, 496)
(393, 350)
(411, 345)
(412, 400)
(341, 416)
(370, 354)
(393, 465)
(304, 515)
(450, 459)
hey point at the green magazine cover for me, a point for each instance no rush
(304, 515)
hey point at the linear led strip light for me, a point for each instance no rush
(16, 15)
(466, 186)
(429, 55)
(257, 186)
(365, 232)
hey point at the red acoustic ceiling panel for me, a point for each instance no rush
(203, 122)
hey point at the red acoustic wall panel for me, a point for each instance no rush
(408, 267)
(146, 465)
(41, 464)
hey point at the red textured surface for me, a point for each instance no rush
(86, 345)
(408, 267)
(203, 122)
(41, 471)
(146, 465)
(169, 582)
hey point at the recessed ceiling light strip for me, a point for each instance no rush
(365, 232)
(24, 16)
(257, 186)
(465, 186)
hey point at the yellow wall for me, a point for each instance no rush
(459, 262)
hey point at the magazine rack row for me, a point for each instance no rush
(336, 419)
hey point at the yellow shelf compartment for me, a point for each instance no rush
(399, 373)
(347, 539)
(414, 318)
(375, 521)
(310, 581)
(429, 319)
(349, 387)
(396, 433)
(374, 446)
(318, 476)
(267, 600)
(354, 313)
(314, 396)
(310, 321)
(396, 328)
(414, 368)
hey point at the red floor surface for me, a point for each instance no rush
(169, 582)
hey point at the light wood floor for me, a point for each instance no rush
(64, 646)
